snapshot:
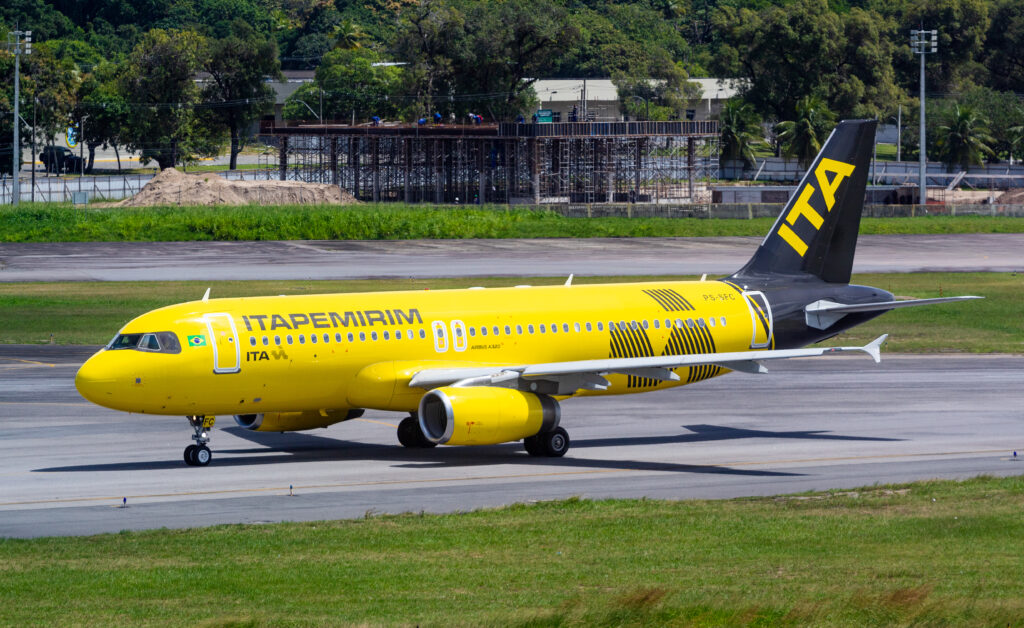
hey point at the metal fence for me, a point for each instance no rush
(61, 189)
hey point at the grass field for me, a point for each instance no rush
(91, 312)
(934, 553)
(52, 222)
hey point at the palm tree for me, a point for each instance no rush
(348, 35)
(802, 137)
(740, 131)
(965, 138)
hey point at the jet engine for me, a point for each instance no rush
(294, 421)
(485, 416)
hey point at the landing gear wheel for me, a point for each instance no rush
(411, 436)
(202, 456)
(199, 455)
(555, 443)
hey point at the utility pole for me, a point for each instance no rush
(81, 149)
(923, 42)
(19, 47)
(899, 131)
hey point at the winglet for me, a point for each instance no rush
(874, 347)
(206, 297)
(568, 282)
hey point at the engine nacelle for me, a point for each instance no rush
(294, 421)
(479, 415)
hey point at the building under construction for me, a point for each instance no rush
(576, 162)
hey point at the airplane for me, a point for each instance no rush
(488, 366)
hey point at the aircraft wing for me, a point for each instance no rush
(568, 377)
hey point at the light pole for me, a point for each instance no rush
(18, 46)
(318, 116)
(81, 146)
(923, 42)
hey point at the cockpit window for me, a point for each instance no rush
(158, 342)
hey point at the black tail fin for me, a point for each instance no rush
(817, 230)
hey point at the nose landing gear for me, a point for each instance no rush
(199, 455)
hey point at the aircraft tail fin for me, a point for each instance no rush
(816, 233)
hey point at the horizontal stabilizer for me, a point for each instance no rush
(823, 314)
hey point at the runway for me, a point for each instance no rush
(212, 261)
(833, 423)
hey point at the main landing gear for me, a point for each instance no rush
(553, 444)
(199, 455)
(410, 434)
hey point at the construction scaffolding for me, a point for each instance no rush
(584, 162)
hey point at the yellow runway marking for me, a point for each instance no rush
(283, 490)
(29, 362)
(378, 422)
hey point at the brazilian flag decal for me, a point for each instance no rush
(197, 341)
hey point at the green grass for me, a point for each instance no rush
(54, 222)
(91, 312)
(933, 553)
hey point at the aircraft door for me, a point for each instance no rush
(459, 339)
(227, 352)
(760, 319)
(440, 334)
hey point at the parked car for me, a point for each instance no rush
(58, 159)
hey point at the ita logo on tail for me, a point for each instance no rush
(803, 208)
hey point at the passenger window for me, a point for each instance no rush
(302, 339)
(289, 338)
(387, 336)
(252, 341)
(576, 326)
(600, 326)
(472, 331)
(554, 328)
(589, 328)
(644, 323)
(711, 322)
(622, 325)
(277, 340)
(722, 320)
(657, 324)
(700, 322)
(508, 330)
(519, 329)
(679, 323)
(351, 338)
(483, 331)
(496, 330)
(633, 325)
(362, 336)
(409, 334)
(373, 335)
(423, 334)
(542, 328)
(529, 328)
(266, 341)
(313, 338)
(689, 323)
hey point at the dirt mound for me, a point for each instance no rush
(172, 187)
(1013, 197)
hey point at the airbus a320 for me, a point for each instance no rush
(488, 366)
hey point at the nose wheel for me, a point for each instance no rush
(199, 455)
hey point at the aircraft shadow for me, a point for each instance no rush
(276, 448)
(704, 433)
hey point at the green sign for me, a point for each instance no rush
(544, 115)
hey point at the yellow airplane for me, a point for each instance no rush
(487, 366)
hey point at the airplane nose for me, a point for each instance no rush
(95, 380)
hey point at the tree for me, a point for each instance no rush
(159, 84)
(740, 131)
(237, 92)
(430, 36)
(348, 83)
(100, 97)
(964, 139)
(802, 137)
(53, 87)
(1004, 46)
(657, 90)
